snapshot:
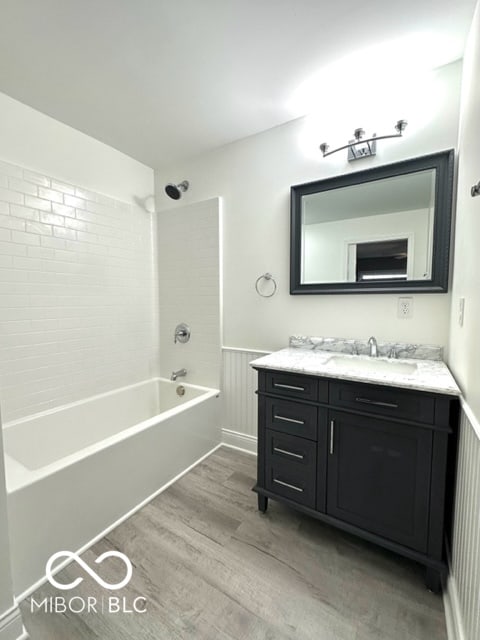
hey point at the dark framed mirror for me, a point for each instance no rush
(382, 230)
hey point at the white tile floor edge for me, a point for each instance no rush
(106, 531)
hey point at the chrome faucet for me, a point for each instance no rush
(393, 352)
(182, 333)
(178, 374)
(373, 347)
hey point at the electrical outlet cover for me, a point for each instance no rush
(405, 308)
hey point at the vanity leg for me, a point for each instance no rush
(262, 503)
(433, 580)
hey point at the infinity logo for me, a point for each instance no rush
(84, 565)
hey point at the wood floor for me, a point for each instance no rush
(212, 567)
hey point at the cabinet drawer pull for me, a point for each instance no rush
(289, 486)
(288, 386)
(332, 434)
(284, 419)
(378, 403)
(288, 453)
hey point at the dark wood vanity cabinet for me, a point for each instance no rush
(372, 460)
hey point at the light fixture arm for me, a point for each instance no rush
(368, 149)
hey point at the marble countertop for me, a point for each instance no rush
(429, 375)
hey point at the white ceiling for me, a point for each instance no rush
(163, 80)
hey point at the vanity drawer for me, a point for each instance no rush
(296, 386)
(387, 401)
(291, 467)
(290, 417)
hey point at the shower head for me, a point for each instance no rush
(175, 191)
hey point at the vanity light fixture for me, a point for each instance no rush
(360, 147)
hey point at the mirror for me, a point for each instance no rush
(381, 230)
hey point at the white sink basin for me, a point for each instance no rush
(372, 365)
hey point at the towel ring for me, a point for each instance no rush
(266, 276)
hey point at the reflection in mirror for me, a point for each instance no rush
(381, 229)
(373, 231)
(381, 260)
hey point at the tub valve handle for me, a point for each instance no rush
(182, 333)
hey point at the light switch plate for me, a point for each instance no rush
(461, 311)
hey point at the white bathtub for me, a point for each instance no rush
(74, 472)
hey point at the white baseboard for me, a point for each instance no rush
(241, 441)
(11, 625)
(453, 611)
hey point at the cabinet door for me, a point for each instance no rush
(379, 477)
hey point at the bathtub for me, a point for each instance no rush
(75, 472)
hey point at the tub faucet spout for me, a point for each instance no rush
(178, 374)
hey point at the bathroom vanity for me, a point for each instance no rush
(366, 445)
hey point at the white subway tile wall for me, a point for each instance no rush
(78, 293)
(189, 287)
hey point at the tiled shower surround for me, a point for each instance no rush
(77, 293)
